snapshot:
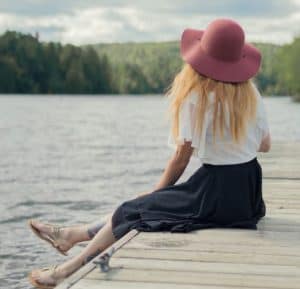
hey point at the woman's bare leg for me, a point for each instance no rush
(103, 239)
(75, 234)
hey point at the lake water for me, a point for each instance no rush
(70, 160)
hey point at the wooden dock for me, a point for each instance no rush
(215, 258)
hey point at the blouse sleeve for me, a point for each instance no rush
(262, 117)
(187, 121)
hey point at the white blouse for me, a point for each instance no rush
(225, 151)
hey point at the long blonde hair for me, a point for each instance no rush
(240, 99)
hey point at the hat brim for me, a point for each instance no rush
(237, 71)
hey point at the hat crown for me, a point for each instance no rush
(223, 40)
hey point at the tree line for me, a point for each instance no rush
(28, 65)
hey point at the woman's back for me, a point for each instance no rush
(222, 150)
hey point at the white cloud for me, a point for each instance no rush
(89, 21)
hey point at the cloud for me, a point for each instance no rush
(212, 7)
(90, 21)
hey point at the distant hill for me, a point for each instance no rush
(156, 63)
(152, 65)
(28, 65)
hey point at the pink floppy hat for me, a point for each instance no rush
(220, 51)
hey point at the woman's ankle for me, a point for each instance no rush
(92, 230)
(69, 267)
(77, 234)
(74, 235)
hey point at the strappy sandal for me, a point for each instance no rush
(45, 285)
(55, 232)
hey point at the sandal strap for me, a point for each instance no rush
(56, 231)
(50, 268)
(55, 235)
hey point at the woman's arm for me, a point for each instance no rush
(265, 145)
(175, 166)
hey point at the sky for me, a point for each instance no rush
(90, 21)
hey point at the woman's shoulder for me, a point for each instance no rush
(261, 112)
(256, 91)
(260, 102)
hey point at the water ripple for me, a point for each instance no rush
(86, 205)
(31, 203)
(17, 219)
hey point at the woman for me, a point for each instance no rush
(218, 116)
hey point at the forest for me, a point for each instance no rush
(30, 66)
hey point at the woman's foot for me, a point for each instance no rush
(45, 277)
(59, 237)
(49, 277)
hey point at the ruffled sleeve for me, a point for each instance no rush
(187, 131)
(261, 116)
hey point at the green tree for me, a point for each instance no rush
(288, 68)
(9, 75)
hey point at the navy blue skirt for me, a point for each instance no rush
(224, 196)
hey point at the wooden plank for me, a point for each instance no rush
(216, 247)
(277, 219)
(113, 284)
(281, 196)
(284, 218)
(281, 183)
(291, 209)
(225, 236)
(288, 204)
(278, 191)
(277, 227)
(285, 211)
(217, 279)
(282, 162)
(282, 202)
(213, 267)
(285, 173)
(283, 228)
(202, 256)
(284, 148)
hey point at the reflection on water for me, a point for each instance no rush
(73, 159)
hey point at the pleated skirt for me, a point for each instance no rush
(214, 196)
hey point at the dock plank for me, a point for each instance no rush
(113, 284)
(214, 267)
(202, 278)
(202, 256)
(218, 258)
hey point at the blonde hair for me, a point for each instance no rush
(240, 99)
